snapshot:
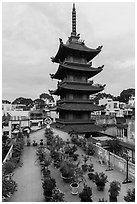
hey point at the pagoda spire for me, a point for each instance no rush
(73, 33)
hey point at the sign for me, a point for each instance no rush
(47, 121)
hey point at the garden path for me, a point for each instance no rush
(28, 177)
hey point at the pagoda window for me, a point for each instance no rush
(77, 116)
(71, 96)
(85, 97)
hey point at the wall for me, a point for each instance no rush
(115, 161)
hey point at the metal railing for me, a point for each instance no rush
(9, 154)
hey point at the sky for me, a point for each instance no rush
(30, 36)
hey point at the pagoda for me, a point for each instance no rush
(74, 88)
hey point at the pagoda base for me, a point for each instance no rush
(79, 128)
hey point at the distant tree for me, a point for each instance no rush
(46, 96)
(100, 96)
(26, 101)
(125, 94)
(6, 102)
(40, 104)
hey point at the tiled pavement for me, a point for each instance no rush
(28, 177)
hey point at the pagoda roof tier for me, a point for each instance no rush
(86, 70)
(84, 128)
(77, 47)
(77, 86)
(79, 107)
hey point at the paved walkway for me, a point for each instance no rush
(28, 177)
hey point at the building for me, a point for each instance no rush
(74, 71)
(113, 108)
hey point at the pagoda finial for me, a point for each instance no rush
(73, 33)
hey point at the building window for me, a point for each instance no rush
(125, 132)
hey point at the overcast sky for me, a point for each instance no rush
(30, 36)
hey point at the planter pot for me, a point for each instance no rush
(100, 187)
(35, 144)
(84, 167)
(112, 199)
(91, 176)
(66, 179)
(74, 188)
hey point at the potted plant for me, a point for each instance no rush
(77, 178)
(114, 190)
(90, 149)
(67, 170)
(8, 167)
(8, 188)
(86, 194)
(85, 166)
(48, 185)
(130, 196)
(100, 180)
(57, 196)
(90, 172)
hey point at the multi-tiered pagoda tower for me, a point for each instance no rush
(75, 69)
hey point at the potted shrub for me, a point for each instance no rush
(130, 196)
(90, 172)
(114, 190)
(86, 194)
(67, 170)
(90, 149)
(100, 180)
(77, 178)
(85, 166)
(8, 167)
(48, 185)
(57, 196)
(8, 188)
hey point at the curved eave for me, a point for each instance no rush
(92, 90)
(89, 71)
(84, 50)
(79, 107)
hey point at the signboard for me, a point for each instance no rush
(48, 121)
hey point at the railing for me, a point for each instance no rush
(74, 121)
(9, 155)
(117, 162)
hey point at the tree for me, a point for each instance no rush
(26, 101)
(115, 147)
(6, 102)
(46, 96)
(40, 104)
(125, 94)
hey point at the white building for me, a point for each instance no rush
(115, 108)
